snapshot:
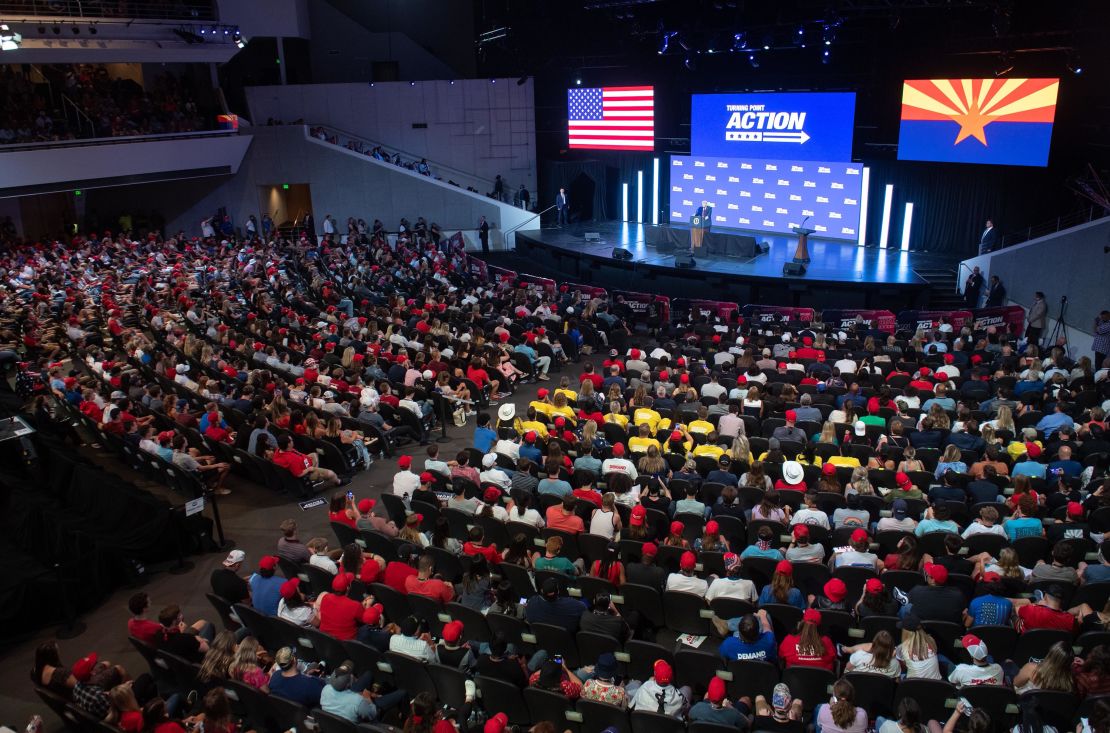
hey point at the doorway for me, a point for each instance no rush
(286, 203)
(581, 193)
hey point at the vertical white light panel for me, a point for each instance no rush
(907, 221)
(884, 234)
(624, 202)
(639, 197)
(655, 191)
(863, 206)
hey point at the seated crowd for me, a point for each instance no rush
(698, 525)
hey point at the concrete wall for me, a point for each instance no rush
(344, 50)
(342, 184)
(475, 126)
(270, 18)
(81, 161)
(1071, 263)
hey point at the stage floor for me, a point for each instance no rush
(833, 262)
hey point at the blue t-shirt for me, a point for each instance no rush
(484, 438)
(753, 551)
(1023, 527)
(298, 688)
(1097, 573)
(990, 611)
(762, 649)
(1028, 468)
(265, 593)
(794, 597)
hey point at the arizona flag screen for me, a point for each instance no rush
(611, 118)
(993, 121)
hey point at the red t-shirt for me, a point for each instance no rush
(342, 518)
(218, 434)
(292, 461)
(130, 721)
(781, 485)
(340, 616)
(144, 630)
(91, 410)
(589, 495)
(614, 575)
(597, 379)
(489, 552)
(370, 571)
(396, 573)
(789, 653)
(432, 588)
(1042, 617)
(479, 376)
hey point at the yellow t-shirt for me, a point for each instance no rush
(700, 426)
(713, 451)
(644, 415)
(640, 445)
(621, 420)
(566, 412)
(538, 427)
(571, 396)
(542, 408)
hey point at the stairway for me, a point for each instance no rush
(942, 287)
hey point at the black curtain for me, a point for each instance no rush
(563, 174)
(951, 203)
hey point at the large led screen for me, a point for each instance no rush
(769, 195)
(992, 121)
(794, 126)
(611, 118)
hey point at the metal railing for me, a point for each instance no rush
(95, 9)
(1051, 227)
(77, 118)
(445, 173)
(86, 142)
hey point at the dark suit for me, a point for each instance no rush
(996, 294)
(972, 288)
(989, 241)
(483, 236)
(562, 208)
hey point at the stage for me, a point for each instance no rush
(840, 273)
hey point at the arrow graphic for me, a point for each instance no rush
(755, 136)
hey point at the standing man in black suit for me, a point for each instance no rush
(562, 208)
(996, 292)
(973, 287)
(483, 235)
(990, 239)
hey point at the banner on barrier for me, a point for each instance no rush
(501, 274)
(546, 283)
(914, 321)
(591, 290)
(772, 313)
(646, 308)
(477, 268)
(1011, 317)
(844, 318)
(720, 308)
(457, 243)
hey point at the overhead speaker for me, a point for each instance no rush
(620, 253)
(684, 260)
(593, 236)
(793, 268)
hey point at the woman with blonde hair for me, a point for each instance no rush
(653, 464)
(218, 658)
(1004, 420)
(918, 651)
(753, 402)
(125, 711)
(348, 357)
(740, 450)
(859, 483)
(246, 665)
(876, 657)
(910, 461)
(827, 434)
(1054, 672)
(411, 531)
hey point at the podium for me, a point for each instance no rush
(801, 254)
(698, 225)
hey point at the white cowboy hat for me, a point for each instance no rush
(506, 412)
(792, 472)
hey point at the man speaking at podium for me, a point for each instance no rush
(704, 215)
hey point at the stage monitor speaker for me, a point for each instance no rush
(620, 253)
(593, 236)
(793, 268)
(684, 260)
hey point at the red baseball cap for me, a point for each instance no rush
(938, 573)
(452, 632)
(784, 567)
(1075, 509)
(811, 616)
(835, 590)
(404, 462)
(860, 535)
(618, 449)
(791, 415)
(268, 562)
(716, 691)
(712, 527)
(649, 549)
(366, 506)
(289, 588)
(638, 515)
(341, 582)
(801, 530)
(873, 585)
(83, 667)
(688, 561)
(426, 477)
(530, 436)
(373, 614)
(677, 527)
(676, 435)
(662, 672)
(541, 393)
(496, 724)
(902, 479)
(828, 469)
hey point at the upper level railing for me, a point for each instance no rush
(92, 9)
(86, 142)
(1055, 225)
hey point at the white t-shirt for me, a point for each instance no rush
(973, 674)
(325, 562)
(601, 523)
(862, 661)
(301, 615)
(810, 516)
(738, 588)
(530, 516)
(927, 669)
(976, 528)
(687, 584)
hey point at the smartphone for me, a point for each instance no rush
(350, 494)
(558, 659)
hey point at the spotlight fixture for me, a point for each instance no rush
(92, 30)
(238, 40)
(57, 30)
(753, 60)
(690, 64)
(825, 56)
(75, 30)
(412, 83)
(665, 38)
(578, 80)
(1074, 65)
(42, 30)
(739, 41)
(768, 40)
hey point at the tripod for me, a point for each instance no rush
(1060, 330)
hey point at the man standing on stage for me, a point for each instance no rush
(561, 208)
(705, 213)
(483, 235)
(990, 239)
(973, 287)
